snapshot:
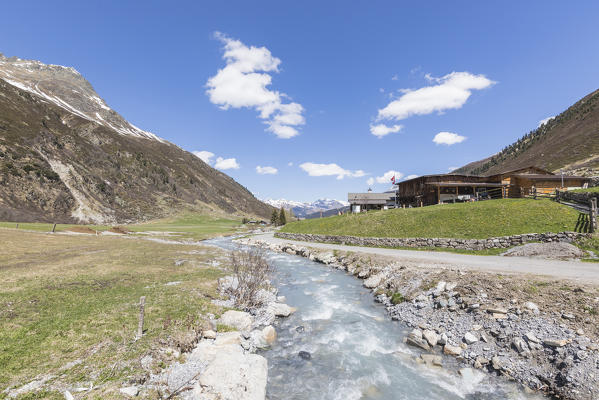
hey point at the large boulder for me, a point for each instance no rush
(374, 281)
(234, 375)
(237, 319)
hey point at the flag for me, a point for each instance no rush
(393, 179)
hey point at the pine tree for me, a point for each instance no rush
(282, 218)
(274, 217)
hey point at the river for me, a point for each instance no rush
(355, 350)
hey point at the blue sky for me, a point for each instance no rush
(495, 70)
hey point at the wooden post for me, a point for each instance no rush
(439, 194)
(593, 215)
(53, 228)
(140, 323)
(17, 226)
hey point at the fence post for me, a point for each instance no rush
(53, 228)
(593, 214)
(140, 322)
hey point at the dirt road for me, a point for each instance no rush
(583, 272)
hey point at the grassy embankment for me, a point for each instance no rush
(76, 297)
(185, 226)
(478, 220)
(594, 189)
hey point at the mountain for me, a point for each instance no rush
(66, 156)
(328, 213)
(569, 141)
(302, 210)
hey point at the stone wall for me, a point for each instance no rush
(467, 244)
(579, 197)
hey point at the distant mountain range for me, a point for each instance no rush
(66, 156)
(302, 210)
(569, 141)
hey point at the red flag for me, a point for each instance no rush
(393, 179)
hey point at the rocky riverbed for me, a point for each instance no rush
(541, 333)
(224, 363)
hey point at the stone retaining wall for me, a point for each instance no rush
(579, 197)
(467, 244)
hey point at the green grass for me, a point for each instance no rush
(186, 226)
(478, 220)
(594, 189)
(191, 225)
(64, 298)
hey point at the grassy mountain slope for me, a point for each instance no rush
(56, 166)
(569, 141)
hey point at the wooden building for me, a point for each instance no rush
(437, 189)
(360, 202)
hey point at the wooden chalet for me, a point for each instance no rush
(437, 189)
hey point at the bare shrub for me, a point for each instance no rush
(252, 271)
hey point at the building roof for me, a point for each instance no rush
(548, 177)
(370, 198)
(456, 184)
(513, 171)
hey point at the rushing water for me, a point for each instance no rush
(356, 351)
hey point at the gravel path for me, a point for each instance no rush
(573, 270)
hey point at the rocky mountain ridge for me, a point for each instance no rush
(569, 141)
(66, 156)
(302, 210)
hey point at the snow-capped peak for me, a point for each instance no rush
(66, 88)
(301, 209)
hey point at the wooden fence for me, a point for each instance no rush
(587, 212)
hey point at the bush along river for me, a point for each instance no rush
(341, 344)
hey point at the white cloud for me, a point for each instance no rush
(370, 181)
(386, 177)
(266, 170)
(394, 77)
(450, 92)
(407, 178)
(332, 169)
(226, 163)
(244, 82)
(448, 138)
(451, 169)
(290, 164)
(381, 130)
(204, 155)
(544, 121)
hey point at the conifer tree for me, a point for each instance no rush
(274, 217)
(282, 218)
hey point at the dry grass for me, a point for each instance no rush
(75, 297)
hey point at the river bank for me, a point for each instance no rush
(536, 331)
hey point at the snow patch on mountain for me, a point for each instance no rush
(303, 209)
(73, 93)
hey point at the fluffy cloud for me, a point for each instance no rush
(386, 177)
(204, 155)
(370, 181)
(407, 178)
(449, 92)
(544, 121)
(266, 170)
(226, 163)
(381, 130)
(332, 169)
(244, 83)
(448, 138)
(451, 169)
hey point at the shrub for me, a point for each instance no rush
(252, 272)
